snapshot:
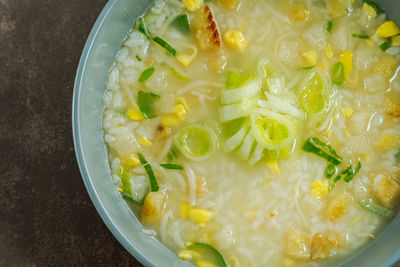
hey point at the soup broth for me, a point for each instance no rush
(257, 133)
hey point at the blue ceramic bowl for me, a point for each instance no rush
(103, 43)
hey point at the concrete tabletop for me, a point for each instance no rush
(46, 216)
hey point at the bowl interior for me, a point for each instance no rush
(102, 45)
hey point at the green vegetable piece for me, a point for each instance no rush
(234, 80)
(377, 9)
(149, 170)
(312, 98)
(138, 58)
(232, 127)
(130, 199)
(141, 27)
(397, 157)
(169, 166)
(330, 171)
(371, 206)
(181, 23)
(196, 142)
(386, 45)
(350, 175)
(338, 75)
(308, 67)
(125, 180)
(146, 104)
(329, 26)
(173, 154)
(348, 170)
(179, 75)
(360, 36)
(146, 74)
(208, 253)
(319, 148)
(165, 45)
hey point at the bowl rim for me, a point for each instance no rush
(77, 138)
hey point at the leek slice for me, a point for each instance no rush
(282, 105)
(235, 141)
(240, 94)
(234, 79)
(209, 256)
(246, 146)
(236, 111)
(257, 154)
(272, 130)
(196, 142)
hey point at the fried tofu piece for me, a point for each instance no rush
(324, 246)
(298, 244)
(386, 189)
(152, 208)
(206, 29)
(392, 107)
(387, 141)
(337, 206)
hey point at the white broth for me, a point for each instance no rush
(258, 133)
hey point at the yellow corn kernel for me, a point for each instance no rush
(131, 161)
(396, 40)
(188, 254)
(185, 59)
(135, 114)
(235, 39)
(388, 141)
(180, 111)
(347, 60)
(202, 263)
(328, 51)
(273, 166)
(368, 10)
(120, 189)
(200, 216)
(319, 189)
(192, 5)
(144, 141)
(347, 111)
(311, 56)
(182, 100)
(170, 120)
(185, 210)
(387, 29)
(301, 13)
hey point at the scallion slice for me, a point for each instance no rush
(146, 104)
(146, 74)
(169, 166)
(330, 171)
(338, 74)
(208, 253)
(165, 45)
(350, 175)
(319, 148)
(371, 206)
(181, 23)
(149, 170)
(386, 45)
(329, 26)
(173, 154)
(130, 199)
(377, 9)
(179, 75)
(360, 36)
(138, 58)
(141, 27)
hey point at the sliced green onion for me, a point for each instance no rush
(234, 80)
(125, 180)
(165, 45)
(146, 74)
(386, 45)
(360, 36)
(314, 95)
(371, 206)
(272, 130)
(196, 142)
(397, 157)
(146, 103)
(208, 253)
(350, 174)
(138, 58)
(130, 199)
(251, 89)
(179, 75)
(330, 171)
(338, 75)
(181, 23)
(173, 154)
(319, 148)
(169, 166)
(329, 26)
(141, 26)
(235, 140)
(257, 154)
(247, 146)
(308, 67)
(377, 9)
(149, 170)
(346, 171)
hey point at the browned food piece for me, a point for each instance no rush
(230, 4)
(392, 107)
(337, 207)
(207, 32)
(163, 130)
(153, 207)
(324, 246)
(298, 244)
(386, 189)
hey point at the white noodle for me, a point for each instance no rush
(191, 180)
(197, 84)
(163, 226)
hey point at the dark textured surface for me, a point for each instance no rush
(46, 216)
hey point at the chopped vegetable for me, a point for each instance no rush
(152, 208)
(130, 199)
(298, 244)
(347, 111)
(371, 206)
(301, 13)
(235, 39)
(338, 8)
(308, 67)
(173, 154)
(329, 26)
(196, 142)
(138, 58)
(235, 80)
(386, 45)
(165, 45)
(146, 104)
(141, 26)
(386, 189)
(149, 170)
(179, 75)
(182, 24)
(251, 89)
(368, 10)
(273, 166)
(192, 5)
(377, 9)
(135, 114)
(350, 175)
(387, 29)
(235, 140)
(208, 253)
(330, 171)
(169, 166)
(338, 74)
(319, 148)
(207, 32)
(146, 74)
(360, 36)
(328, 51)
